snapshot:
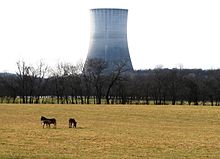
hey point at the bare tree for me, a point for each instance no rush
(173, 85)
(41, 73)
(75, 83)
(9, 86)
(58, 82)
(191, 83)
(26, 75)
(114, 76)
(95, 68)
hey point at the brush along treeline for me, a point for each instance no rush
(69, 84)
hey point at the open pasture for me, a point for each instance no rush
(110, 132)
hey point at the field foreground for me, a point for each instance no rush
(110, 132)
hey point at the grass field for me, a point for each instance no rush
(110, 132)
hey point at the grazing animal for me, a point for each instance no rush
(72, 123)
(47, 122)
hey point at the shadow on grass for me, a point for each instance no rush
(60, 128)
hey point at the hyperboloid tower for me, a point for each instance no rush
(108, 37)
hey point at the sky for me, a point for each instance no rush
(167, 33)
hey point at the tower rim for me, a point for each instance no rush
(122, 9)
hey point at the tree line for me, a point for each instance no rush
(93, 83)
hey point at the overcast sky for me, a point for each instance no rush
(160, 32)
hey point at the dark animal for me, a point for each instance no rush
(72, 123)
(47, 121)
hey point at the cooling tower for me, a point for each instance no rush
(108, 37)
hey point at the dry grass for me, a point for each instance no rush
(110, 132)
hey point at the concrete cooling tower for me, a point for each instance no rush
(108, 37)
